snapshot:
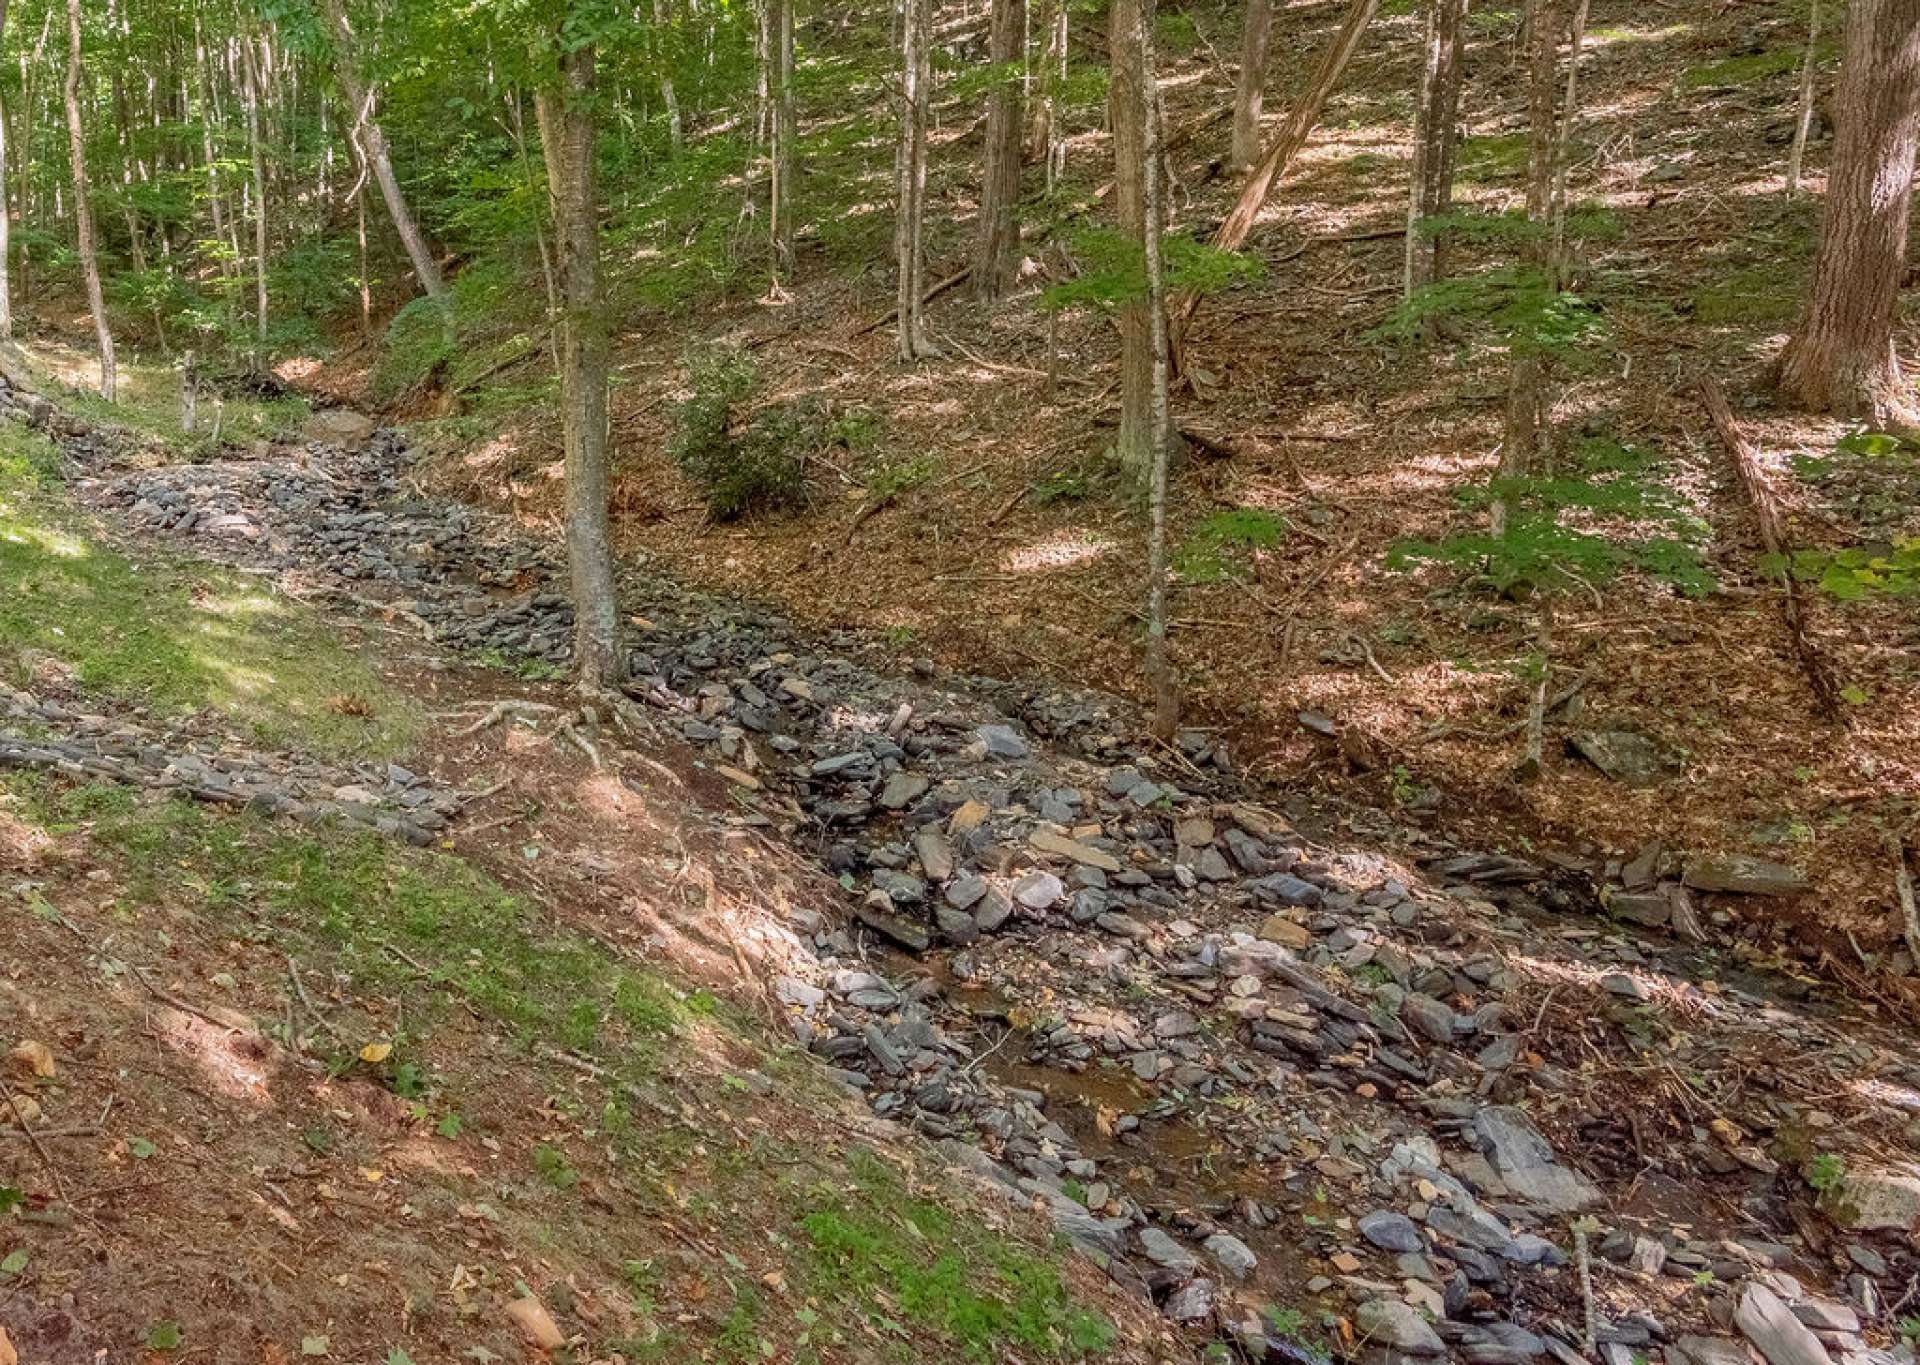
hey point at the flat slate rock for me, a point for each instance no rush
(1739, 873)
(1775, 1332)
(1628, 757)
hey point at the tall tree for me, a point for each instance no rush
(997, 248)
(1803, 107)
(1435, 139)
(83, 208)
(564, 111)
(1160, 673)
(1251, 89)
(251, 96)
(1841, 359)
(373, 144)
(910, 176)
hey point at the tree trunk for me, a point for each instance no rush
(997, 255)
(1251, 93)
(251, 96)
(373, 143)
(1563, 145)
(1435, 138)
(83, 209)
(910, 176)
(1232, 234)
(1127, 110)
(1803, 111)
(566, 136)
(676, 130)
(1160, 675)
(6, 215)
(1527, 380)
(780, 209)
(1842, 358)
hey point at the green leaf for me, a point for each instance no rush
(449, 1126)
(396, 1356)
(1854, 695)
(11, 1198)
(140, 1149)
(315, 1345)
(165, 1336)
(14, 1263)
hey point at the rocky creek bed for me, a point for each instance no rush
(1304, 1089)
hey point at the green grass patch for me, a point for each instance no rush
(1758, 295)
(878, 1250)
(357, 898)
(174, 633)
(1217, 548)
(1748, 68)
(148, 400)
(1491, 157)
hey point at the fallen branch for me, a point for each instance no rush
(1903, 888)
(1766, 511)
(952, 281)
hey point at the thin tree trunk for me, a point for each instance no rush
(1803, 111)
(676, 130)
(1842, 357)
(780, 201)
(1232, 234)
(1430, 183)
(6, 214)
(566, 135)
(1160, 675)
(373, 143)
(1527, 380)
(1563, 144)
(517, 126)
(250, 95)
(910, 177)
(360, 240)
(997, 251)
(83, 210)
(1250, 95)
(1127, 112)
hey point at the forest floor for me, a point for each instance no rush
(1004, 546)
(369, 998)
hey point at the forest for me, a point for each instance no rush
(1015, 680)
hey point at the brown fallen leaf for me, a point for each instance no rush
(532, 1318)
(33, 1058)
(8, 1356)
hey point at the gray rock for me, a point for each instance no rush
(902, 790)
(1392, 1323)
(1191, 1303)
(1630, 758)
(1429, 1018)
(1163, 1251)
(1391, 1231)
(1739, 873)
(1699, 1350)
(1525, 1161)
(1002, 741)
(1876, 1199)
(1231, 1254)
(1038, 890)
(1775, 1332)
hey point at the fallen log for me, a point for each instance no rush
(1766, 512)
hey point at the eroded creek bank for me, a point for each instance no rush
(1304, 1079)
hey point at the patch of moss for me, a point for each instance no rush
(1753, 295)
(1745, 69)
(1492, 157)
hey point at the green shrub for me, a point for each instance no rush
(741, 470)
(1218, 546)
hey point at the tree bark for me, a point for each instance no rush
(676, 130)
(1842, 358)
(1563, 145)
(251, 96)
(373, 143)
(566, 137)
(1127, 111)
(6, 214)
(1250, 94)
(1803, 110)
(910, 177)
(83, 209)
(1160, 674)
(780, 209)
(1435, 139)
(997, 253)
(1527, 380)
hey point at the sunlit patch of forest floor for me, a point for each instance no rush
(963, 509)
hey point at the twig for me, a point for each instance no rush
(84, 1130)
(46, 1157)
(1372, 662)
(306, 1001)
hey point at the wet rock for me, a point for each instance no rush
(1775, 1332)
(1394, 1324)
(1740, 873)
